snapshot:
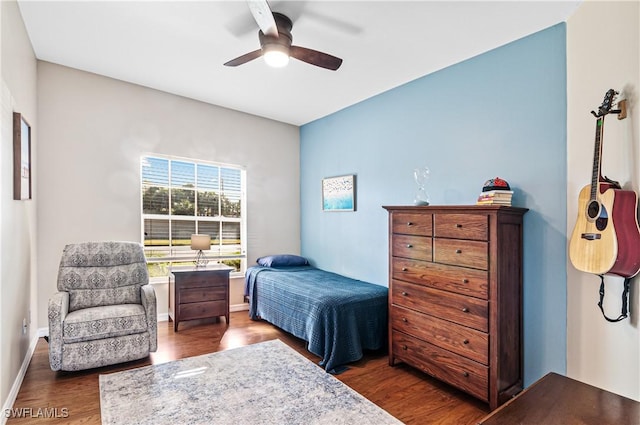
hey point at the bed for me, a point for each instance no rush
(339, 317)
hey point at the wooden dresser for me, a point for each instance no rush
(198, 293)
(455, 296)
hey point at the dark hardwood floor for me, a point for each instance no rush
(409, 395)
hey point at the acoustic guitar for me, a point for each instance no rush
(606, 236)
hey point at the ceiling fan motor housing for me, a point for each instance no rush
(283, 38)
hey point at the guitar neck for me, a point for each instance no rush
(597, 158)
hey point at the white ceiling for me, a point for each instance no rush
(179, 46)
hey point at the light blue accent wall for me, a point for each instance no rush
(502, 113)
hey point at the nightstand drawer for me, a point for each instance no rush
(461, 340)
(195, 295)
(456, 308)
(202, 310)
(202, 279)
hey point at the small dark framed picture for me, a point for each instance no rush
(21, 157)
(339, 193)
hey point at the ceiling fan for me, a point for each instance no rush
(275, 41)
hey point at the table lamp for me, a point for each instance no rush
(200, 243)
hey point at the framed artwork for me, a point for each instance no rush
(21, 158)
(339, 193)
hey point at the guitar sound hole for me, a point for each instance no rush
(593, 209)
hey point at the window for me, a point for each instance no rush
(181, 197)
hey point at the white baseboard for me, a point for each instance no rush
(17, 383)
(239, 307)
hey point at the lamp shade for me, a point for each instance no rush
(200, 242)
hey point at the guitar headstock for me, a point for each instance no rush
(605, 108)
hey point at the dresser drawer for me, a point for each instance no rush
(461, 340)
(194, 295)
(458, 371)
(416, 247)
(461, 226)
(455, 308)
(202, 310)
(411, 224)
(460, 280)
(461, 253)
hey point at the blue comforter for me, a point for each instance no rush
(336, 315)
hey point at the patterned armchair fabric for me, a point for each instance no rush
(105, 311)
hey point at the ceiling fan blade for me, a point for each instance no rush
(244, 58)
(314, 57)
(264, 17)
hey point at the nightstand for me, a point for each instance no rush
(198, 293)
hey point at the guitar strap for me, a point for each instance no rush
(625, 299)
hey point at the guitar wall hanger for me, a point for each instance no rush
(623, 109)
(601, 114)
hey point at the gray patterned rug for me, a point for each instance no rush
(265, 383)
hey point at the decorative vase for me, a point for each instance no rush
(421, 176)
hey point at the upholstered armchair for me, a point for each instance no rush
(105, 310)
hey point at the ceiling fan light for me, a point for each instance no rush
(276, 56)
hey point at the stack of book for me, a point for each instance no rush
(495, 197)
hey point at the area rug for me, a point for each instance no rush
(264, 383)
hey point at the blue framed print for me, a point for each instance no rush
(339, 193)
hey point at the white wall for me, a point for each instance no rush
(603, 52)
(17, 218)
(93, 131)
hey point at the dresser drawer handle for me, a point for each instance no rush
(404, 347)
(404, 294)
(465, 310)
(404, 319)
(458, 251)
(465, 280)
(404, 269)
(409, 223)
(458, 225)
(465, 374)
(465, 342)
(409, 245)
